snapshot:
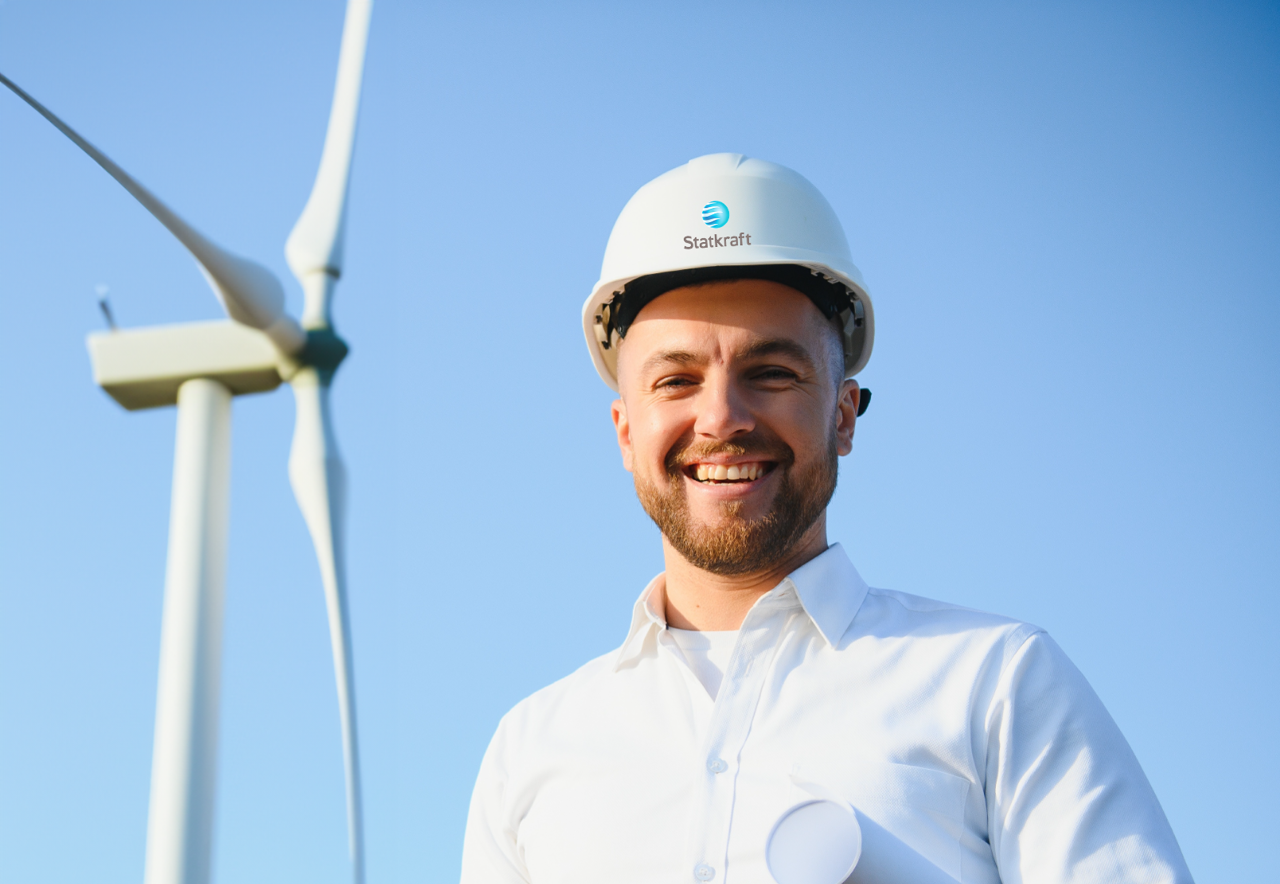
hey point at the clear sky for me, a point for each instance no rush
(1067, 215)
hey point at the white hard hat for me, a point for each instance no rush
(726, 216)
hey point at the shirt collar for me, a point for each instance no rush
(829, 588)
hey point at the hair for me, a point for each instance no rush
(835, 351)
(742, 546)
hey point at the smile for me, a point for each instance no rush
(716, 474)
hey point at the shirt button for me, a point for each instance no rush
(703, 872)
(717, 765)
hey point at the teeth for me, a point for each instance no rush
(706, 472)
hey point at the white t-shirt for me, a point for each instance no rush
(707, 654)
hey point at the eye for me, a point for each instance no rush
(672, 382)
(774, 373)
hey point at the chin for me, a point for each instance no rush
(724, 517)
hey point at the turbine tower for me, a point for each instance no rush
(200, 367)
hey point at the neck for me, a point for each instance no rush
(698, 599)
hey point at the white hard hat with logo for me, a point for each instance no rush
(726, 216)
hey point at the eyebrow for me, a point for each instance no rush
(778, 347)
(669, 357)
(757, 350)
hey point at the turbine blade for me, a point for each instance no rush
(314, 247)
(318, 477)
(249, 292)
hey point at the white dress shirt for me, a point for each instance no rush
(968, 744)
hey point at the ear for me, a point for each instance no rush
(618, 411)
(846, 415)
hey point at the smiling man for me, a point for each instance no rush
(732, 430)
(769, 717)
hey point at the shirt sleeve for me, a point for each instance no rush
(1067, 802)
(489, 851)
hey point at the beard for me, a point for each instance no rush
(739, 545)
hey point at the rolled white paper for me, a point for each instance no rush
(814, 842)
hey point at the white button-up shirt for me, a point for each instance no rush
(968, 744)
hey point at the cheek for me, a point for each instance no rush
(805, 426)
(652, 446)
(658, 429)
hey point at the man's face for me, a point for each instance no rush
(731, 419)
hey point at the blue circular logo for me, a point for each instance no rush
(715, 214)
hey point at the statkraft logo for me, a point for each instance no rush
(715, 214)
(717, 242)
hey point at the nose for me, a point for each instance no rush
(723, 411)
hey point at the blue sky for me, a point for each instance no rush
(1067, 215)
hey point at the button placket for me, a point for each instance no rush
(712, 808)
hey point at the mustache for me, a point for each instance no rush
(681, 456)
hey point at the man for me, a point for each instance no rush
(760, 674)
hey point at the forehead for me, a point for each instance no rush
(716, 319)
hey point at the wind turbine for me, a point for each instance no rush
(200, 367)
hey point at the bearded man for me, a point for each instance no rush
(769, 717)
